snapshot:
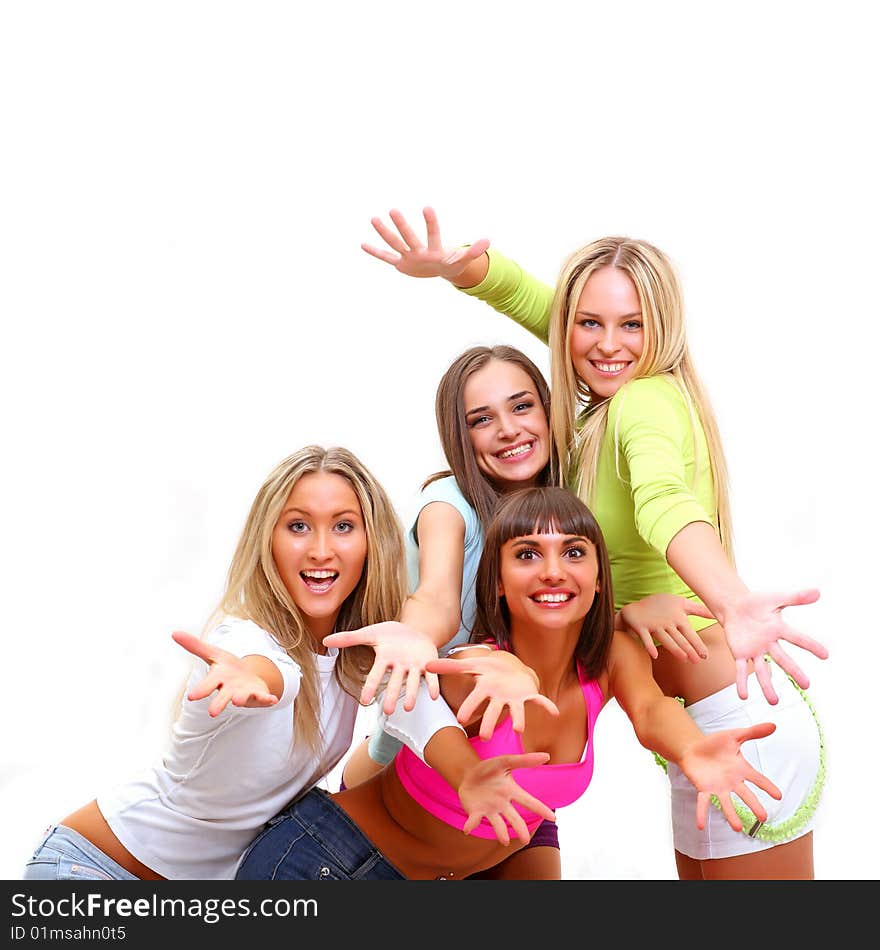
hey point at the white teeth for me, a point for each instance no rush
(319, 575)
(552, 598)
(519, 450)
(610, 367)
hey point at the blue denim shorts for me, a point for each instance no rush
(65, 855)
(314, 840)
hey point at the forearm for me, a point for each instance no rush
(450, 754)
(510, 290)
(696, 555)
(437, 616)
(473, 274)
(664, 727)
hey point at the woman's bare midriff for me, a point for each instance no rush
(695, 681)
(91, 824)
(411, 839)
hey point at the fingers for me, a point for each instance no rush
(470, 704)
(406, 232)
(204, 688)
(751, 801)
(742, 675)
(195, 645)
(806, 643)
(413, 677)
(730, 812)
(387, 256)
(758, 731)
(350, 638)
(695, 609)
(807, 596)
(500, 828)
(243, 697)
(433, 685)
(522, 760)
(432, 229)
(762, 671)
(447, 665)
(786, 663)
(517, 822)
(392, 690)
(388, 236)
(470, 253)
(535, 805)
(761, 781)
(490, 719)
(703, 800)
(542, 700)
(372, 682)
(518, 716)
(694, 642)
(648, 642)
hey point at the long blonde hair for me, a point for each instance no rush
(255, 591)
(577, 418)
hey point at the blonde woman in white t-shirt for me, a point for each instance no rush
(269, 709)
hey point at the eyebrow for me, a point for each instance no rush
(533, 540)
(525, 392)
(625, 316)
(337, 514)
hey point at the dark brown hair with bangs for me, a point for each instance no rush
(546, 510)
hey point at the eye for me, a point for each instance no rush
(523, 406)
(526, 554)
(477, 421)
(588, 323)
(344, 527)
(575, 553)
(632, 325)
(297, 527)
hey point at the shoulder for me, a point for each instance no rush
(447, 490)
(243, 637)
(647, 396)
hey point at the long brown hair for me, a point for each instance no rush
(542, 510)
(452, 427)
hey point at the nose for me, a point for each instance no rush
(508, 426)
(608, 344)
(553, 569)
(319, 549)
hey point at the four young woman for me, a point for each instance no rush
(318, 578)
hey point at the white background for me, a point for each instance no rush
(185, 187)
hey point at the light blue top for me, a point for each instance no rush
(383, 747)
(447, 490)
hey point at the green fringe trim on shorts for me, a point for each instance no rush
(787, 829)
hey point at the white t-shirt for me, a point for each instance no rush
(191, 816)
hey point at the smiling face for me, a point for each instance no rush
(319, 545)
(607, 336)
(507, 425)
(549, 579)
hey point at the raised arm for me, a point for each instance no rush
(491, 277)
(430, 617)
(713, 764)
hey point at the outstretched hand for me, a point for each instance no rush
(502, 680)
(488, 790)
(399, 648)
(754, 627)
(406, 252)
(714, 765)
(234, 681)
(664, 618)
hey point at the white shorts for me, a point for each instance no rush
(793, 758)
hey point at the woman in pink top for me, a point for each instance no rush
(545, 601)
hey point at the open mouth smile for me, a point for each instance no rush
(516, 452)
(319, 582)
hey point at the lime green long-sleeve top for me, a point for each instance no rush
(653, 474)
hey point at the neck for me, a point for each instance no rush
(550, 653)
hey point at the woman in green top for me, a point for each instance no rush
(642, 449)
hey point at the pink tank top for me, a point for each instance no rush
(555, 785)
